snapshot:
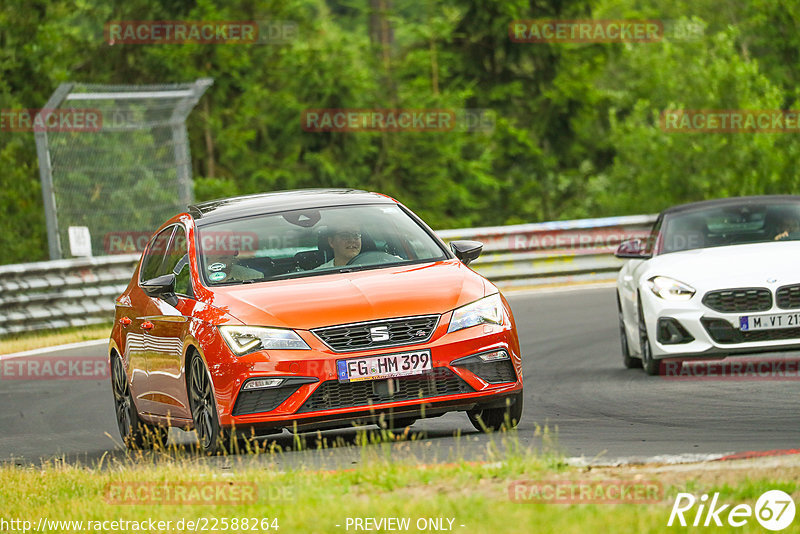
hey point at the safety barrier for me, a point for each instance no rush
(78, 292)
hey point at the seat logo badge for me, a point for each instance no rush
(379, 333)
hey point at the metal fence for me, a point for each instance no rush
(113, 158)
(77, 292)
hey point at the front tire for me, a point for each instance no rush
(203, 407)
(493, 419)
(651, 366)
(628, 361)
(135, 433)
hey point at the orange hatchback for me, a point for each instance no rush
(307, 310)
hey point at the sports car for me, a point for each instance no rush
(714, 279)
(307, 310)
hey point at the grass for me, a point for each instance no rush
(473, 494)
(46, 338)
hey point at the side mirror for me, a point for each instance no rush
(162, 287)
(632, 249)
(466, 251)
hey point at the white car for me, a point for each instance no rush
(714, 279)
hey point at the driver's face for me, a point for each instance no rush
(791, 225)
(346, 245)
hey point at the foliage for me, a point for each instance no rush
(577, 129)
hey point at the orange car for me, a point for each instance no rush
(307, 309)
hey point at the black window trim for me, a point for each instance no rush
(185, 260)
(150, 244)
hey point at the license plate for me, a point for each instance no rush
(384, 366)
(769, 322)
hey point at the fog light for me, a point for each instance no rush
(263, 383)
(671, 332)
(494, 356)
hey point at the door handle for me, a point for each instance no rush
(147, 325)
(125, 321)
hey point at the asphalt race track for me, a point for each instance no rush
(574, 381)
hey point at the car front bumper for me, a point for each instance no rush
(313, 397)
(716, 335)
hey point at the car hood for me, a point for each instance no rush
(331, 299)
(733, 266)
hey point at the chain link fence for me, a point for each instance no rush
(122, 167)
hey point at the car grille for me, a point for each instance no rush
(262, 400)
(357, 336)
(788, 297)
(492, 372)
(722, 332)
(333, 394)
(745, 299)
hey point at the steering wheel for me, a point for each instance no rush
(372, 257)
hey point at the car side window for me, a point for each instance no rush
(177, 262)
(154, 255)
(177, 250)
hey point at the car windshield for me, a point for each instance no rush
(730, 225)
(311, 242)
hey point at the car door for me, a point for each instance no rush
(137, 332)
(165, 339)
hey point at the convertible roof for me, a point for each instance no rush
(278, 201)
(733, 201)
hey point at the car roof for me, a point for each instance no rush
(280, 201)
(732, 201)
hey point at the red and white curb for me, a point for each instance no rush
(674, 459)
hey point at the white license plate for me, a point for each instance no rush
(384, 366)
(769, 322)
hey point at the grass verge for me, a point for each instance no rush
(436, 497)
(48, 338)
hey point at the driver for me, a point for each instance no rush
(345, 240)
(790, 226)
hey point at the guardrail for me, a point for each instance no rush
(78, 292)
(552, 252)
(55, 294)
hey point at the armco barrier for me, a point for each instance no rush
(54, 294)
(77, 292)
(552, 252)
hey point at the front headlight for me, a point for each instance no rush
(244, 339)
(669, 289)
(488, 310)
